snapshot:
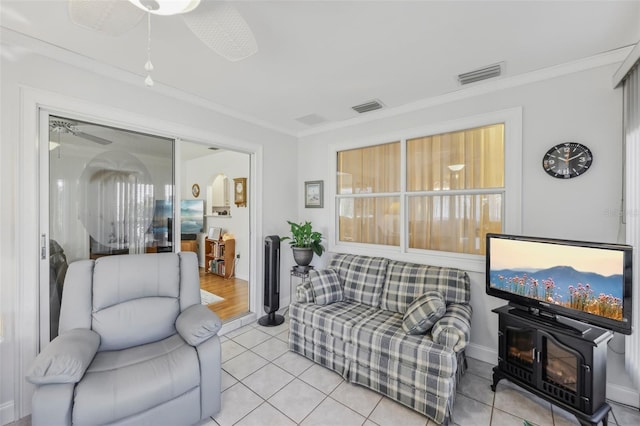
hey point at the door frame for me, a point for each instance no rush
(29, 203)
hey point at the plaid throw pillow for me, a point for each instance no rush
(326, 286)
(423, 312)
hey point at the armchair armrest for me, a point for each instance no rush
(66, 358)
(304, 293)
(197, 323)
(454, 328)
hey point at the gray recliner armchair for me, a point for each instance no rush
(135, 346)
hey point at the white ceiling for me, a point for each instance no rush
(323, 57)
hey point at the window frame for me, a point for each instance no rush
(512, 198)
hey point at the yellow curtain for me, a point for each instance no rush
(462, 160)
(371, 170)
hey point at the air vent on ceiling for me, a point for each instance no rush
(480, 74)
(368, 106)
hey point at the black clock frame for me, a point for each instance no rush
(565, 152)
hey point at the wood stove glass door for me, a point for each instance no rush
(520, 348)
(559, 364)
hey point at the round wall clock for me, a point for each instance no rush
(195, 190)
(567, 160)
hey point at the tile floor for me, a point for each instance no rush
(265, 384)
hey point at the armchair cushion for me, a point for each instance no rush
(423, 312)
(326, 286)
(65, 359)
(197, 323)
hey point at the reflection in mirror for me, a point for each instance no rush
(117, 201)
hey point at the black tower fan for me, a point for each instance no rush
(271, 282)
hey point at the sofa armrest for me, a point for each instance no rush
(65, 359)
(197, 323)
(453, 330)
(304, 293)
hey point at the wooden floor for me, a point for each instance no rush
(235, 293)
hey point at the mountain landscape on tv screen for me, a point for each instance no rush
(563, 285)
(565, 276)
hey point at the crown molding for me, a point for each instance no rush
(595, 61)
(632, 59)
(27, 44)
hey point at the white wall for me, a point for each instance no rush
(84, 90)
(580, 107)
(203, 171)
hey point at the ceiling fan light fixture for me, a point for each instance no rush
(166, 7)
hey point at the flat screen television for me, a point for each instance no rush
(191, 216)
(583, 281)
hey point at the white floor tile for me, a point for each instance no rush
(470, 412)
(481, 368)
(237, 402)
(389, 412)
(500, 418)
(251, 338)
(624, 415)
(268, 380)
(293, 363)
(227, 380)
(273, 331)
(330, 412)
(265, 415)
(244, 364)
(356, 397)
(297, 400)
(321, 378)
(271, 349)
(231, 349)
(476, 387)
(517, 401)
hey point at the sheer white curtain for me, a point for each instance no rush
(632, 212)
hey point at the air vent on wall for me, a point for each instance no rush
(490, 71)
(368, 106)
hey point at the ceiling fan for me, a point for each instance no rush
(218, 24)
(58, 126)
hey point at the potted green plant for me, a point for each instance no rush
(304, 242)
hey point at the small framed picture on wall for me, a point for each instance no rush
(314, 194)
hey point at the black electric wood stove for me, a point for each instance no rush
(560, 360)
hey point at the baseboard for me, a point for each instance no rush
(7, 413)
(482, 353)
(623, 395)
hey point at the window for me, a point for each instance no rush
(455, 187)
(371, 176)
(440, 190)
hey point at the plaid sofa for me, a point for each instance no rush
(358, 330)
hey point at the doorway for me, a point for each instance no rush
(113, 191)
(209, 174)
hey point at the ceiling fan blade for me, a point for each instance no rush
(92, 138)
(221, 27)
(113, 17)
